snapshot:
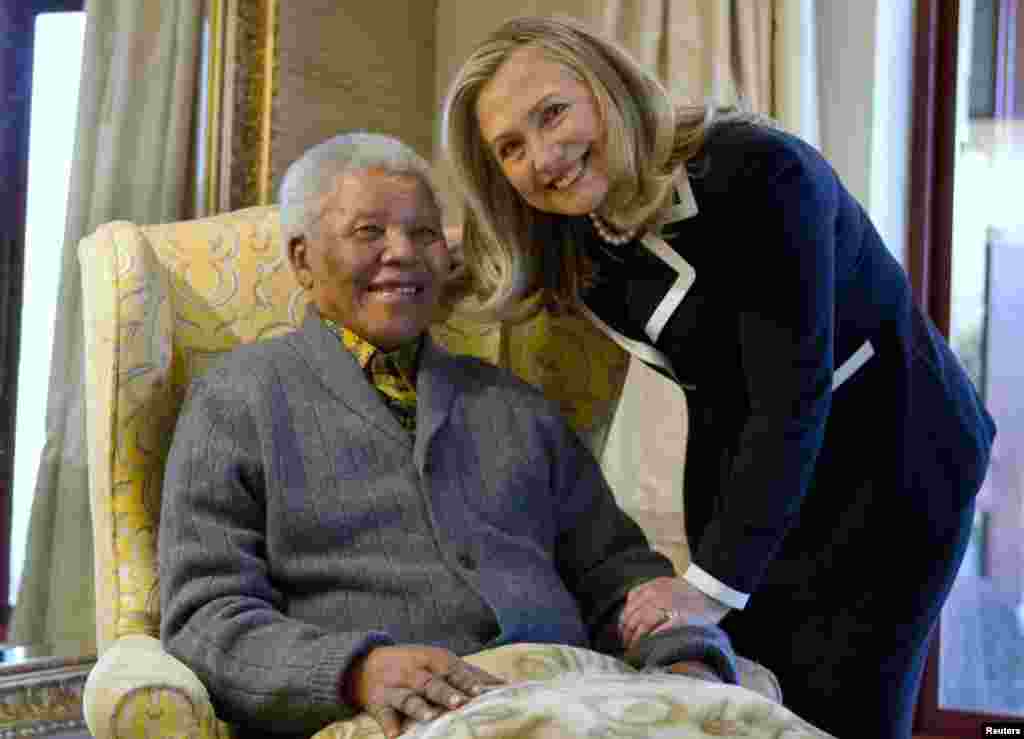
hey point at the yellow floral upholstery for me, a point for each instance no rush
(160, 303)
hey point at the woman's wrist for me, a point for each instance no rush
(694, 668)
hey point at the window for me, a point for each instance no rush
(967, 267)
(18, 20)
(54, 108)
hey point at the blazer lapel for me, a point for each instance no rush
(435, 393)
(341, 374)
(684, 209)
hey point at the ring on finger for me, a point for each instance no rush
(667, 614)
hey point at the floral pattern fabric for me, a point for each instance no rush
(559, 692)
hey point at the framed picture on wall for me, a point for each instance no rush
(241, 63)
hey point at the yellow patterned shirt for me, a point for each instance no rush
(392, 373)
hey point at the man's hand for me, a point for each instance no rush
(663, 603)
(394, 683)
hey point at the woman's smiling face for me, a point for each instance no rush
(542, 125)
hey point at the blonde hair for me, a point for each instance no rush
(512, 249)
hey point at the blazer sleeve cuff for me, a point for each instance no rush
(716, 589)
(701, 643)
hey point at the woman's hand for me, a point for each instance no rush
(663, 603)
(421, 683)
(698, 670)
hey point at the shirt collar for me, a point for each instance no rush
(684, 206)
(405, 357)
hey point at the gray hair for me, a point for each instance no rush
(310, 176)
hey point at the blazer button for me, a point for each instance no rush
(466, 560)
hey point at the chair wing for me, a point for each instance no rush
(160, 303)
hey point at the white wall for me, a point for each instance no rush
(866, 58)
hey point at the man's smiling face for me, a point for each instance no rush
(377, 260)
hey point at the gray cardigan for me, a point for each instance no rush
(302, 525)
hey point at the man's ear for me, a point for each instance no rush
(298, 256)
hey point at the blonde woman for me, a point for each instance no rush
(835, 444)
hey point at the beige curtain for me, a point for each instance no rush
(760, 51)
(132, 151)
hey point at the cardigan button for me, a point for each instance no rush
(466, 560)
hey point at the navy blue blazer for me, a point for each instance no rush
(775, 298)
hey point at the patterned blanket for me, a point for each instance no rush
(558, 692)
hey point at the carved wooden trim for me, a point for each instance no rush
(42, 696)
(929, 242)
(933, 150)
(241, 88)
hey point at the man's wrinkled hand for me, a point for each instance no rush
(415, 682)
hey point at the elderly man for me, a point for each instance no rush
(347, 508)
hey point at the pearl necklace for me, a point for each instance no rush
(608, 235)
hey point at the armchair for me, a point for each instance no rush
(161, 302)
